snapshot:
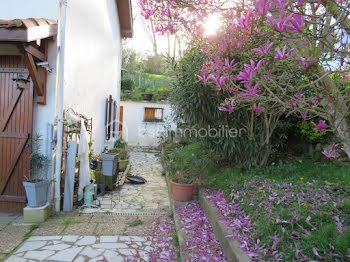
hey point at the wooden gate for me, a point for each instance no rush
(16, 120)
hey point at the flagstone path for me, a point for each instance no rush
(135, 226)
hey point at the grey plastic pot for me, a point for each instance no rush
(37, 193)
(107, 164)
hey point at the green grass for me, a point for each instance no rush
(293, 181)
(307, 170)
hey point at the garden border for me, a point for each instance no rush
(179, 231)
(230, 247)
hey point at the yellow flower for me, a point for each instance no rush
(305, 205)
(301, 178)
(328, 183)
(261, 190)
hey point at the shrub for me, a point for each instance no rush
(127, 84)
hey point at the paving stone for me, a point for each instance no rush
(66, 255)
(108, 239)
(91, 253)
(57, 247)
(89, 240)
(79, 259)
(100, 258)
(30, 245)
(16, 259)
(39, 255)
(110, 245)
(113, 256)
(70, 238)
(127, 252)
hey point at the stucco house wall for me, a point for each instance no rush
(92, 61)
(139, 133)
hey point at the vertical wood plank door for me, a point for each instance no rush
(16, 124)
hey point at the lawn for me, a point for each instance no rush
(287, 212)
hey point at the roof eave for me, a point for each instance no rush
(125, 18)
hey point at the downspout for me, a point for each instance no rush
(59, 100)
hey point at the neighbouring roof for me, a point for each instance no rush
(27, 30)
(125, 18)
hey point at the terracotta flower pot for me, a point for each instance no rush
(182, 192)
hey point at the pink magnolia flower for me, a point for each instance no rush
(299, 95)
(306, 62)
(304, 114)
(229, 106)
(282, 55)
(321, 125)
(282, 23)
(229, 65)
(243, 21)
(257, 108)
(297, 21)
(262, 6)
(331, 154)
(262, 50)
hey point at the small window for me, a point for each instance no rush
(153, 114)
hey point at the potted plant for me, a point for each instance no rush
(123, 159)
(182, 185)
(147, 96)
(186, 166)
(162, 93)
(109, 161)
(36, 186)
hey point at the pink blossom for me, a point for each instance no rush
(345, 77)
(304, 114)
(257, 108)
(321, 125)
(299, 95)
(229, 106)
(306, 62)
(229, 65)
(263, 49)
(282, 55)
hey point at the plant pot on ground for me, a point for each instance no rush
(147, 96)
(123, 159)
(37, 186)
(182, 186)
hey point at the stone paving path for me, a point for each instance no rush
(147, 199)
(134, 226)
(84, 248)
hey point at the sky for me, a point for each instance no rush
(141, 41)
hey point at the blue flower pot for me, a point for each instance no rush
(37, 193)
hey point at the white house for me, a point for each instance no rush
(70, 53)
(144, 122)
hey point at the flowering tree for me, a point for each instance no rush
(274, 56)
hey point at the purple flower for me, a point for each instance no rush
(228, 106)
(282, 55)
(321, 125)
(257, 108)
(331, 154)
(299, 95)
(262, 50)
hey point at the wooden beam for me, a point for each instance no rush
(7, 198)
(33, 72)
(44, 47)
(28, 34)
(35, 52)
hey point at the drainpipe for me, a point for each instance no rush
(59, 100)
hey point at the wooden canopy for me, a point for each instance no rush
(30, 37)
(27, 30)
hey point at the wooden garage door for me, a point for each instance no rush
(16, 118)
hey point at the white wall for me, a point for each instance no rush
(139, 133)
(93, 61)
